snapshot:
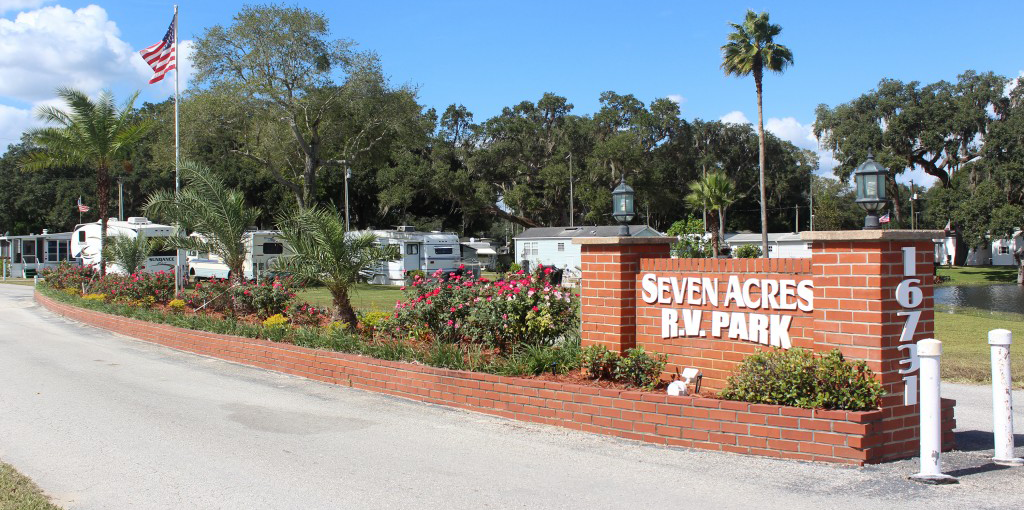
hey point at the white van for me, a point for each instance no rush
(262, 248)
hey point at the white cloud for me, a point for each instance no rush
(13, 122)
(676, 98)
(735, 117)
(54, 46)
(17, 5)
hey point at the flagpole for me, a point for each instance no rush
(177, 155)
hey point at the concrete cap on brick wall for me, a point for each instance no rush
(872, 235)
(624, 240)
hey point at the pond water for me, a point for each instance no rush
(996, 298)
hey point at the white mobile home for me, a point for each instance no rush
(85, 242)
(30, 254)
(785, 245)
(553, 246)
(479, 254)
(420, 251)
(262, 247)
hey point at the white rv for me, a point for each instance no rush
(420, 251)
(262, 248)
(29, 254)
(85, 242)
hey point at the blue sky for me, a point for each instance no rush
(487, 55)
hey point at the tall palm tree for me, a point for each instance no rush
(326, 255)
(713, 193)
(206, 206)
(751, 50)
(88, 133)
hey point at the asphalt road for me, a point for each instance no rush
(102, 421)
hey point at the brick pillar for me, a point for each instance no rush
(856, 275)
(610, 266)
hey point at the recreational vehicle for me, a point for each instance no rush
(262, 248)
(30, 254)
(420, 251)
(85, 243)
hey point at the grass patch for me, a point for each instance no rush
(18, 492)
(981, 275)
(365, 298)
(18, 281)
(965, 349)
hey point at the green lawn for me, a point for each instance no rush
(365, 298)
(18, 492)
(981, 275)
(18, 281)
(965, 350)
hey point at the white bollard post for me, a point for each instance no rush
(1002, 398)
(929, 351)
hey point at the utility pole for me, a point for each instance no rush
(913, 198)
(120, 199)
(796, 224)
(348, 173)
(571, 212)
(811, 207)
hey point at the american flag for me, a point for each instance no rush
(884, 218)
(82, 207)
(160, 56)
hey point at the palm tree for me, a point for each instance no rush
(88, 133)
(713, 193)
(752, 49)
(130, 252)
(206, 206)
(326, 255)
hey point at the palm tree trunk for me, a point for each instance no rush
(761, 163)
(715, 240)
(102, 196)
(343, 307)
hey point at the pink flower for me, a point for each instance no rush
(547, 271)
(535, 309)
(450, 322)
(462, 266)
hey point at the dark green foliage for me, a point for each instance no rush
(797, 377)
(692, 243)
(599, 362)
(640, 369)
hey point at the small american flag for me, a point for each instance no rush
(82, 207)
(884, 218)
(161, 56)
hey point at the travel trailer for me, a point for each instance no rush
(85, 243)
(262, 248)
(28, 255)
(420, 251)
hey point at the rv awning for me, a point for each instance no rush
(485, 251)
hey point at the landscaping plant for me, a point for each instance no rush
(798, 377)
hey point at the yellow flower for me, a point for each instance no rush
(276, 321)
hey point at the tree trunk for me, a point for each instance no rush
(716, 248)
(343, 307)
(102, 197)
(761, 164)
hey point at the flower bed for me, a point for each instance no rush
(758, 429)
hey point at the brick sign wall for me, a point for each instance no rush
(712, 313)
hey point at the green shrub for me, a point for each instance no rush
(748, 251)
(640, 369)
(444, 355)
(796, 377)
(599, 362)
(514, 267)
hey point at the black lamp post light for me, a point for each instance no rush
(869, 179)
(622, 206)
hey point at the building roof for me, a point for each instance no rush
(481, 248)
(782, 237)
(585, 231)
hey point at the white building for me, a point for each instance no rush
(479, 254)
(998, 252)
(29, 254)
(553, 246)
(785, 245)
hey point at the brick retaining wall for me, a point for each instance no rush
(738, 427)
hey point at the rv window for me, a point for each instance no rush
(63, 251)
(165, 253)
(51, 251)
(412, 249)
(81, 236)
(1004, 250)
(442, 251)
(273, 248)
